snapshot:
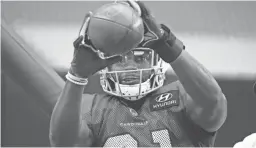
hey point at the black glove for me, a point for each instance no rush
(159, 37)
(86, 59)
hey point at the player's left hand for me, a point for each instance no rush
(158, 36)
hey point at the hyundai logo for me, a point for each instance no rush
(164, 97)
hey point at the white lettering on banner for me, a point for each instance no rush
(164, 104)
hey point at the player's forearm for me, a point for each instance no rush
(65, 120)
(196, 79)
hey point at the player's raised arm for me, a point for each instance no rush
(204, 100)
(67, 128)
(65, 120)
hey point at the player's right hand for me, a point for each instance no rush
(86, 59)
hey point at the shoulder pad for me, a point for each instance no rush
(168, 87)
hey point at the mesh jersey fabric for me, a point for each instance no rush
(161, 123)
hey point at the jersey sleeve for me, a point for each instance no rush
(86, 108)
(93, 108)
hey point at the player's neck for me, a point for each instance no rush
(136, 105)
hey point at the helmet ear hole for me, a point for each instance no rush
(111, 84)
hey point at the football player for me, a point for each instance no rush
(138, 108)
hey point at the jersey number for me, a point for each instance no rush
(161, 137)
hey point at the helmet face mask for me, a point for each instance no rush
(139, 73)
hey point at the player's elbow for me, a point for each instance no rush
(58, 142)
(61, 139)
(211, 116)
(53, 141)
(218, 114)
(221, 110)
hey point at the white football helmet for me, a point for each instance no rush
(155, 75)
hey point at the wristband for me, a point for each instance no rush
(76, 80)
(168, 46)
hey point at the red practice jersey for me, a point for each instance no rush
(161, 121)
